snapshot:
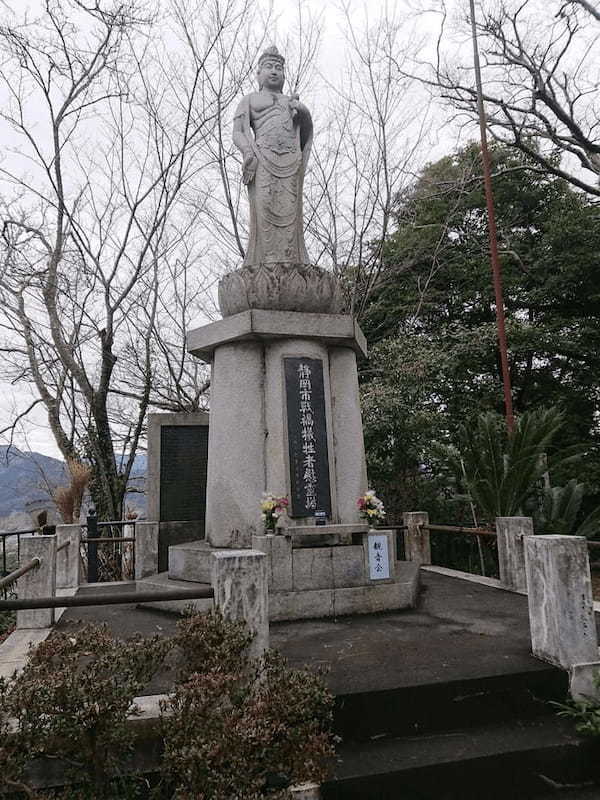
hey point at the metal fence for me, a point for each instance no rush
(108, 550)
(10, 553)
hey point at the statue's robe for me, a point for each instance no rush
(282, 148)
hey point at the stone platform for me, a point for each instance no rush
(441, 702)
(313, 571)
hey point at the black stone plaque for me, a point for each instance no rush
(183, 459)
(307, 437)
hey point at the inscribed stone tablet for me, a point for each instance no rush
(183, 460)
(307, 437)
(379, 558)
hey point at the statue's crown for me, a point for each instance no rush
(271, 53)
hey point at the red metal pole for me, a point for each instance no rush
(496, 269)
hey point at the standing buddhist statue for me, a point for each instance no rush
(274, 134)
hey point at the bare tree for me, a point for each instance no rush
(542, 83)
(100, 260)
(367, 151)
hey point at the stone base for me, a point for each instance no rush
(191, 561)
(281, 286)
(312, 571)
(332, 578)
(315, 603)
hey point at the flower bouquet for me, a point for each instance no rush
(272, 508)
(371, 508)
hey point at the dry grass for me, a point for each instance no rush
(68, 499)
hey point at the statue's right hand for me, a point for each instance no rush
(249, 168)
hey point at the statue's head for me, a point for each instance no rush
(271, 70)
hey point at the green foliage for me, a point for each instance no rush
(510, 474)
(584, 713)
(500, 471)
(431, 324)
(228, 724)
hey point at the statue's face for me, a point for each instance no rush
(271, 74)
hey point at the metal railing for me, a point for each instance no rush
(8, 580)
(114, 562)
(107, 599)
(10, 551)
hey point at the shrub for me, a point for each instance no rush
(227, 736)
(206, 643)
(231, 727)
(234, 726)
(72, 700)
(584, 713)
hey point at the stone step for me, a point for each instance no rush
(190, 561)
(162, 582)
(448, 705)
(495, 762)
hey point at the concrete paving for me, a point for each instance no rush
(460, 630)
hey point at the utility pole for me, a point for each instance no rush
(489, 197)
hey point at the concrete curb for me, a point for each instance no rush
(493, 583)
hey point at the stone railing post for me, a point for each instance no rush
(561, 609)
(417, 546)
(68, 559)
(40, 582)
(239, 580)
(146, 549)
(511, 555)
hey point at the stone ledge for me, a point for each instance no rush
(339, 330)
(191, 561)
(162, 582)
(325, 535)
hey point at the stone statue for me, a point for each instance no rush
(274, 134)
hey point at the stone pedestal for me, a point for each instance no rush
(511, 554)
(561, 609)
(146, 549)
(248, 436)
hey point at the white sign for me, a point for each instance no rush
(379, 558)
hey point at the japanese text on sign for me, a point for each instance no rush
(379, 559)
(307, 437)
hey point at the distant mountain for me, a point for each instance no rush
(28, 479)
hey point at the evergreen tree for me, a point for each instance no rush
(431, 321)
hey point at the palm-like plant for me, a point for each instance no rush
(559, 510)
(503, 472)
